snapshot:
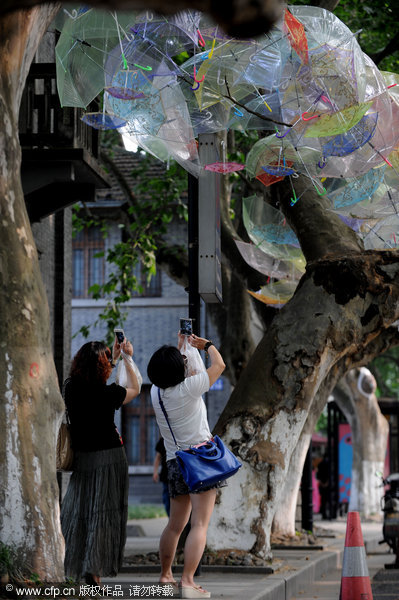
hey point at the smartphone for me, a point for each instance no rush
(120, 335)
(186, 326)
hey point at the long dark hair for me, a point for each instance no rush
(92, 363)
(166, 367)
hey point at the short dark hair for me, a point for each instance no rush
(166, 367)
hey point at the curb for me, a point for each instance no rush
(309, 571)
(301, 572)
(276, 587)
(204, 569)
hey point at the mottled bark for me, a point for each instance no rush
(30, 402)
(284, 518)
(355, 396)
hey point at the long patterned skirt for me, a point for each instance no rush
(94, 513)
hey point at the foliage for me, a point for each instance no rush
(157, 201)
(11, 563)
(385, 369)
(378, 27)
(111, 138)
(146, 511)
(321, 425)
(378, 21)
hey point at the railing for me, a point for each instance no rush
(42, 121)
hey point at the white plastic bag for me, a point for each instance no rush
(121, 375)
(194, 362)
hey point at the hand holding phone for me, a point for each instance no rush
(120, 335)
(186, 326)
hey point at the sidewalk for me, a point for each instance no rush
(296, 570)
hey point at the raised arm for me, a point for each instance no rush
(217, 363)
(133, 387)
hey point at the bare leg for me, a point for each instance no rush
(180, 508)
(202, 508)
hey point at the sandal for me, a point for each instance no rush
(195, 591)
(174, 583)
(89, 578)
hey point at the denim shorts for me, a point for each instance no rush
(178, 487)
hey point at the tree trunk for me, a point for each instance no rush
(284, 517)
(30, 402)
(346, 299)
(355, 396)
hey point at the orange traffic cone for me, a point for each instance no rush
(355, 582)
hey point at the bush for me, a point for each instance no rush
(146, 511)
(12, 564)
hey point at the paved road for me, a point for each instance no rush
(385, 583)
(300, 574)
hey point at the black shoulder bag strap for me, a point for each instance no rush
(166, 417)
(63, 397)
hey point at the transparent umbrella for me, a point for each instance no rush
(159, 121)
(345, 193)
(266, 224)
(82, 52)
(276, 294)
(383, 235)
(171, 35)
(269, 265)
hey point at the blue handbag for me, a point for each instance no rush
(204, 465)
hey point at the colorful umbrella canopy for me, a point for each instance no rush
(330, 114)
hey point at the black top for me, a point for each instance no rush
(160, 447)
(91, 409)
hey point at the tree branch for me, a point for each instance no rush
(330, 5)
(320, 232)
(252, 112)
(239, 18)
(389, 49)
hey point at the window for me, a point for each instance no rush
(140, 431)
(88, 269)
(153, 288)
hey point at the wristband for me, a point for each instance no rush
(207, 345)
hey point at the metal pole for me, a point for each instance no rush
(194, 299)
(307, 492)
(336, 466)
(330, 456)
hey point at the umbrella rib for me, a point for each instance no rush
(253, 112)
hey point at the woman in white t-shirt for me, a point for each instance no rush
(182, 397)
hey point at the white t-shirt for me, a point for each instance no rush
(186, 413)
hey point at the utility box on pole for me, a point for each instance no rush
(209, 253)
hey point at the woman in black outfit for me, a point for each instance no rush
(94, 510)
